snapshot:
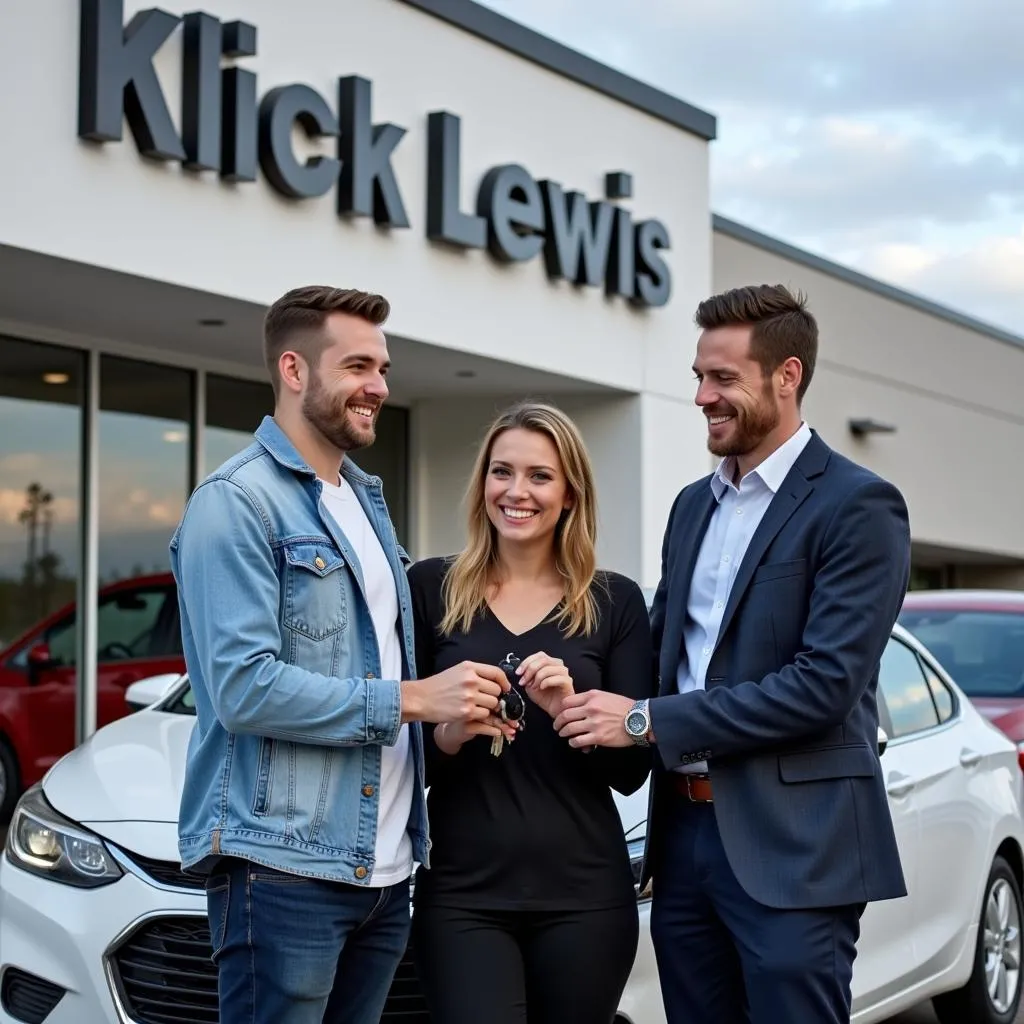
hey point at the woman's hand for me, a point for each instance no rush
(546, 681)
(450, 736)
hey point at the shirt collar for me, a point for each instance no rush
(772, 472)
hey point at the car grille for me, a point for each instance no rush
(166, 872)
(163, 974)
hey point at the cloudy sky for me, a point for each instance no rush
(884, 134)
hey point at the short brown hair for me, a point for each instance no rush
(782, 326)
(295, 321)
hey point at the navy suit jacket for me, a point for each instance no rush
(788, 721)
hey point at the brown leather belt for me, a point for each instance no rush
(695, 788)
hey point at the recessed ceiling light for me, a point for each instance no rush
(175, 436)
(465, 373)
(211, 321)
(56, 378)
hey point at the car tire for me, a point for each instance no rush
(999, 947)
(10, 780)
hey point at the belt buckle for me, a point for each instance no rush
(689, 790)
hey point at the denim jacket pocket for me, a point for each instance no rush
(314, 590)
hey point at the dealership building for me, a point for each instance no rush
(540, 223)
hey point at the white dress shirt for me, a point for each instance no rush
(732, 525)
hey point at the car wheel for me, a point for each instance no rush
(992, 993)
(10, 781)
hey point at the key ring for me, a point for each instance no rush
(511, 705)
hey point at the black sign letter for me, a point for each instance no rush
(576, 229)
(200, 92)
(280, 109)
(621, 279)
(510, 200)
(238, 143)
(367, 186)
(116, 78)
(445, 221)
(653, 280)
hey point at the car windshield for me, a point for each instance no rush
(183, 704)
(982, 650)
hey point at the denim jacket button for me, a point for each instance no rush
(319, 562)
(367, 790)
(370, 675)
(360, 872)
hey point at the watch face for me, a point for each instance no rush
(636, 723)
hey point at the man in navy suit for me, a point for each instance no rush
(782, 575)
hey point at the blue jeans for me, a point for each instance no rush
(294, 950)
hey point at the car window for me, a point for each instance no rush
(945, 703)
(983, 651)
(130, 624)
(907, 694)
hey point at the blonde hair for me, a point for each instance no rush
(472, 571)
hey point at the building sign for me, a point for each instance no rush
(228, 129)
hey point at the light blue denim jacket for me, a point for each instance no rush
(284, 762)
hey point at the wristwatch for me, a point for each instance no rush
(638, 723)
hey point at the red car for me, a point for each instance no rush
(978, 637)
(138, 635)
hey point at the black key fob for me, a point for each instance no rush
(512, 705)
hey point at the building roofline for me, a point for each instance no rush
(540, 49)
(790, 252)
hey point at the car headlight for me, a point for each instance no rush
(45, 843)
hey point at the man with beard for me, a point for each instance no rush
(303, 802)
(782, 575)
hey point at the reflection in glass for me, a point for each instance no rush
(40, 429)
(145, 411)
(234, 409)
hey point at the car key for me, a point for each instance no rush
(511, 705)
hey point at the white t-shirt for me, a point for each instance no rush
(397, 775)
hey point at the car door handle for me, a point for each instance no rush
(969, 758)
(899, 784)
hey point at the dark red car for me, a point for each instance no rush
(138, 635)
(978, 637)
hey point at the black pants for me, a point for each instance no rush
(514, 967)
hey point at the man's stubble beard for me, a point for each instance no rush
(752, 427)
(328, 414)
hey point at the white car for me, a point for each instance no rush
(98, 924)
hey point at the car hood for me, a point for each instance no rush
(130, 771)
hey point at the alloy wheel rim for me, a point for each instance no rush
(1002, 943)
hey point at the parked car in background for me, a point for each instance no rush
(138, 635)
(98, 922)
(978, 637)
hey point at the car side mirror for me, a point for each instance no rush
(883, 741)
(146, 692)
(39, 659)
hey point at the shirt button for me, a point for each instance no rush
(367, 790)
(726, 559)
(739, 511)
(370, 675)
(360, 872)
(707, 650)
(719, 604)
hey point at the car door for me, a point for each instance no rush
(885, 956)
(949, 774)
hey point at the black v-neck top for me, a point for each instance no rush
(536, 828)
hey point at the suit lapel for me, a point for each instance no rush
(697, 518)
(791, 495)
